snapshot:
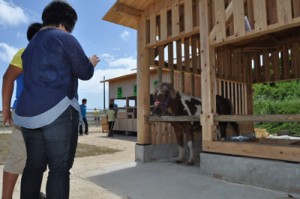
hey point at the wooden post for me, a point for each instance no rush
(208, 90)
(143, 86)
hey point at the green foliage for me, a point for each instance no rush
(278, 98)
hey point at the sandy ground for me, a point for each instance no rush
(86, 167)
(118, 176)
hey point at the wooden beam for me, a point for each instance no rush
(128, 10)
(238, 18)
(193, 118)
(208, 88)
(258, 118)
(288, 153)
(220, 29)
(143, 86)
(260, 15)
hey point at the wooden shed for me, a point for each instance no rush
(217, 47)
(124, 88)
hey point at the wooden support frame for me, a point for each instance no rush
(253, 150)
(143, 86)
(265, 16)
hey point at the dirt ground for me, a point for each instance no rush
(85, 167)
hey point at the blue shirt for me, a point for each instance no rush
(83, 110)
(19, 89)
(53, 62)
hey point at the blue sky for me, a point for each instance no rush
(114, 44)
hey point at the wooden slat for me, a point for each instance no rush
(128, 10)
(161, 62)
(187, 54)
(296, 59)
(219, 8)
(195, 57)
(175, 18)
(286, 62)
(260, 15)
(152, 24)
(284, 8)
(272, 12)
(174, 119)
(163, 21)
(228, 15)
(254, 150)
(179, 54)
(266, 62)
(170, 56)
(258, 118)
(238, 18)
(188, 15)
(275, 65)
(296, 8)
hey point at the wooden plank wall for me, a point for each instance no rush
(264, 16)
(276, 65)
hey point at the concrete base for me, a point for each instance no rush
(147, 153)
(271, 174)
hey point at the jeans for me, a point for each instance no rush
(86, 126)
(54, 146)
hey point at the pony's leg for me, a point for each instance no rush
(179, 136)
(190, 139)
(222, 127)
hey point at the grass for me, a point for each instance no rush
(83, 150)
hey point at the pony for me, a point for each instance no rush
(168, 101)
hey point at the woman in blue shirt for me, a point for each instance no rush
(48, 109)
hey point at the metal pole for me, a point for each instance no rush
(103, 92)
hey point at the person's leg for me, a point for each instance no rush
(14, 164)
(36, 163)
(61, 139)
(9, 182)
(86, 130)
(80, 128)
(110, 124)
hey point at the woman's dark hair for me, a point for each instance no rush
(32, 29)
(59, 12)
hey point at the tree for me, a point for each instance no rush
(278, 98)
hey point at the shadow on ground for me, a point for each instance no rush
(165, 180)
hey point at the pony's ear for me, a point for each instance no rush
(172, 91)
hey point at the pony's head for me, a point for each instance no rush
(163, 94)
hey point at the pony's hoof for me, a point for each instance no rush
(178, 161)
(190, 162)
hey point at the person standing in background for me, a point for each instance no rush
(97, 117)
(83, 114)
(15, 161)
(111, 115)
(48, 109)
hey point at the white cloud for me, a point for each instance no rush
(125, 35)
(7, 52)
(93, 89)
(11, 14)
(127, 62)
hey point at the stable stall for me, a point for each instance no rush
(217, 47)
